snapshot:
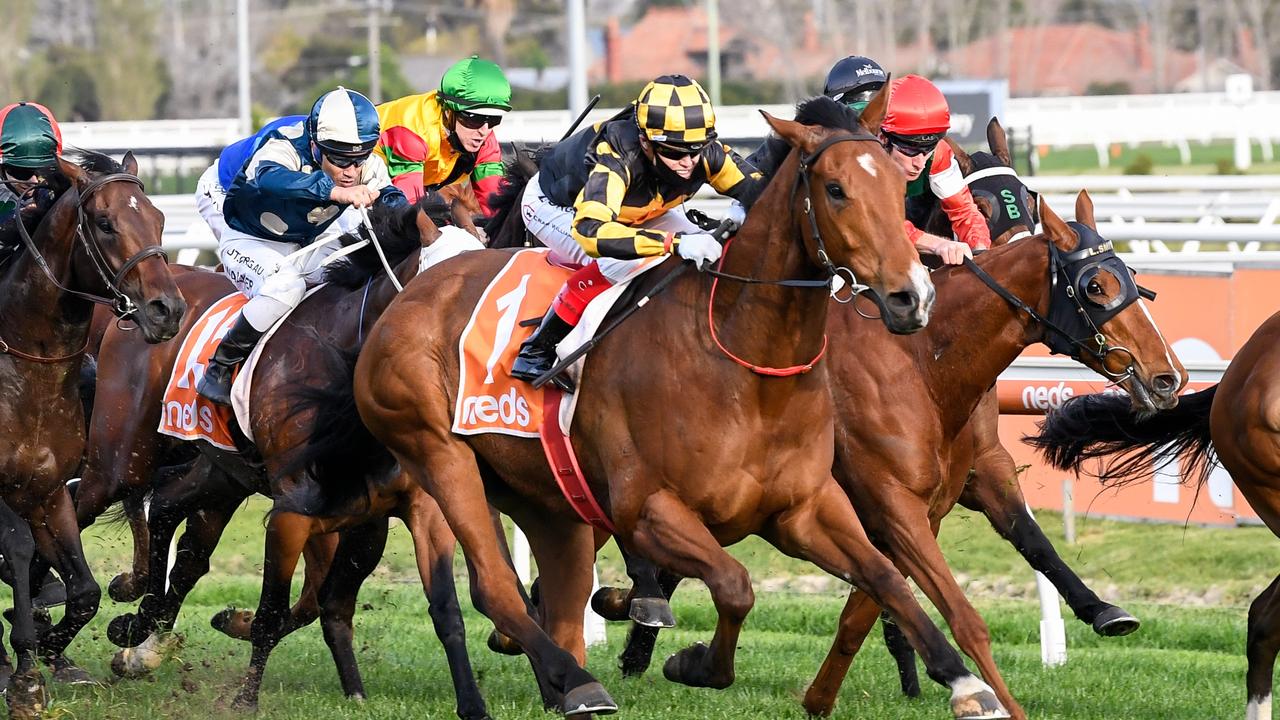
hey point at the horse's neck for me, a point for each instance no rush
(38, 316)
(974, 334)
(381, 291)
(771, 325)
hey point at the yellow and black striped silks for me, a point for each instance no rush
(675, 109)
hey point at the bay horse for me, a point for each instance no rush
(1235, 423)
(91, 248)
(687, 450)
(211, 483)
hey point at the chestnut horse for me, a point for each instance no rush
(1235, 423)
(91, 247)
(687, 451)
(205, 491)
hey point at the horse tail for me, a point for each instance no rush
(1104, 426)
(339, 455)
(506, 228)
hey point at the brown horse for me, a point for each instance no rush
(92, 247)
(1235, 423)
(754, 452)
(206, 490)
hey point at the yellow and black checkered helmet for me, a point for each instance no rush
(675, 110)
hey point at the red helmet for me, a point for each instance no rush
(916, 108)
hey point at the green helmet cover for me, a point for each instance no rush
(476, 85)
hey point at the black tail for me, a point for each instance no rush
(1103, 426)
(506, 228)
(339, 455)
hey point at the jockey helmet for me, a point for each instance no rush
(29, 136)
(854, 80)
(675, 110)
(344, 122)
(917, 114)
(476, 86)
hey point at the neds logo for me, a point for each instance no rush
(511, 408)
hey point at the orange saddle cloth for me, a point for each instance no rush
(186, 415)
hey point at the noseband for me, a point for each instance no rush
(122, 305)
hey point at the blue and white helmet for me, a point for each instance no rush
(345, 122)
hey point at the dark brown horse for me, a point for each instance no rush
(687, 451)
(208, 489)
(98, 244)
(1235, 423)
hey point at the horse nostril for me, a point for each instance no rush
(903, 301)
(1164, 383)
(158, 309)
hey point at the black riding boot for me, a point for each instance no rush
(538, 353)
(236, 345)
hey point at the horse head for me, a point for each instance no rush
(120, 230)
(847, 203)
(1104, 322)
(999, 193)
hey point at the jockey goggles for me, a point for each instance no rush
(678, 152)
(475, 121)
(345, 161)
(914, 145)
(12, 173)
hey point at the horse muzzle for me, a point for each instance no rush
(160, 318)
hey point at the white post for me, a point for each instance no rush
(242, 51)
(577, 56)
(1053, 632)
(375, 51)
(520, 555)
(713, 51)
(1069, 509)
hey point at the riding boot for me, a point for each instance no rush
(236, 345)
(538, 353)
(51, 593)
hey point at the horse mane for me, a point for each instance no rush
(504, 202)
(94, 161)
(397, 231)
(825, 112)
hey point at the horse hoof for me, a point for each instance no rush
(689, 667)
(589, 698)
(981, 704)
(233, 623)
(68, 673)
(26, 696)
(123, 589)
(504, 645)
(126, 631)
(244, 703)
(611, 603)
(652, 612)
(52, 594)
(140, 661)
(1115, 622)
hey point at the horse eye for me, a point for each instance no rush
(1094, 288)
(835, 191)
(105, 225)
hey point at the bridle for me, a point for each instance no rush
(121, 304)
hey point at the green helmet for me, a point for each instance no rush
(29, 136)
(476, 86)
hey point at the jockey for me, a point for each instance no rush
(914, 124)
(446, 136)
(853, 80)
(30, 142)
(211, 190)
(302, 188)
(612, 192)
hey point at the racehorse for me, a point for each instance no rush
(206, 490)
(91, 248)
(1235, 423)
(686, 449)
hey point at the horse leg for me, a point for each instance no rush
(994, 492)
(641, 639)
(24, 692)
(856, 620)
(669, 533)
(433, 549)
(359, 550)
(498, 642)
(825, 530)
(1261, 648)
(448, 471)
(58, 538)
(287, 532)
(903, 655)
(128, 586)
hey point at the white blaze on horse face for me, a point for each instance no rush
(865, 160)
(133, 203)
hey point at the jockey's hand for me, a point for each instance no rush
(701, 248)
(951, 252)
(737, 214)
(357, 196)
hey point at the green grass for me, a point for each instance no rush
(1187, 660)
(1165, 159)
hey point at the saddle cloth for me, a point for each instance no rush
(185, 414)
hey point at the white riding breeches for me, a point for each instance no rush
(209, 198)
(552, 224)
(275, 275)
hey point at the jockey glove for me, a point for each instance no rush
(701, 248)
(737, 214)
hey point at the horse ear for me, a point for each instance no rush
(1053, 225)
(873, 114)
(1084, 210)
(962, 158)
(130, 163)
(998, 141)
(984, 205)
(427, 230)
(72, 172)
(797, 135)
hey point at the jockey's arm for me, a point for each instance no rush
(276, 170)
(730, 175)
(947, 183)
(374, 174)
(950, 251)
(596, 211)
(488, 173)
